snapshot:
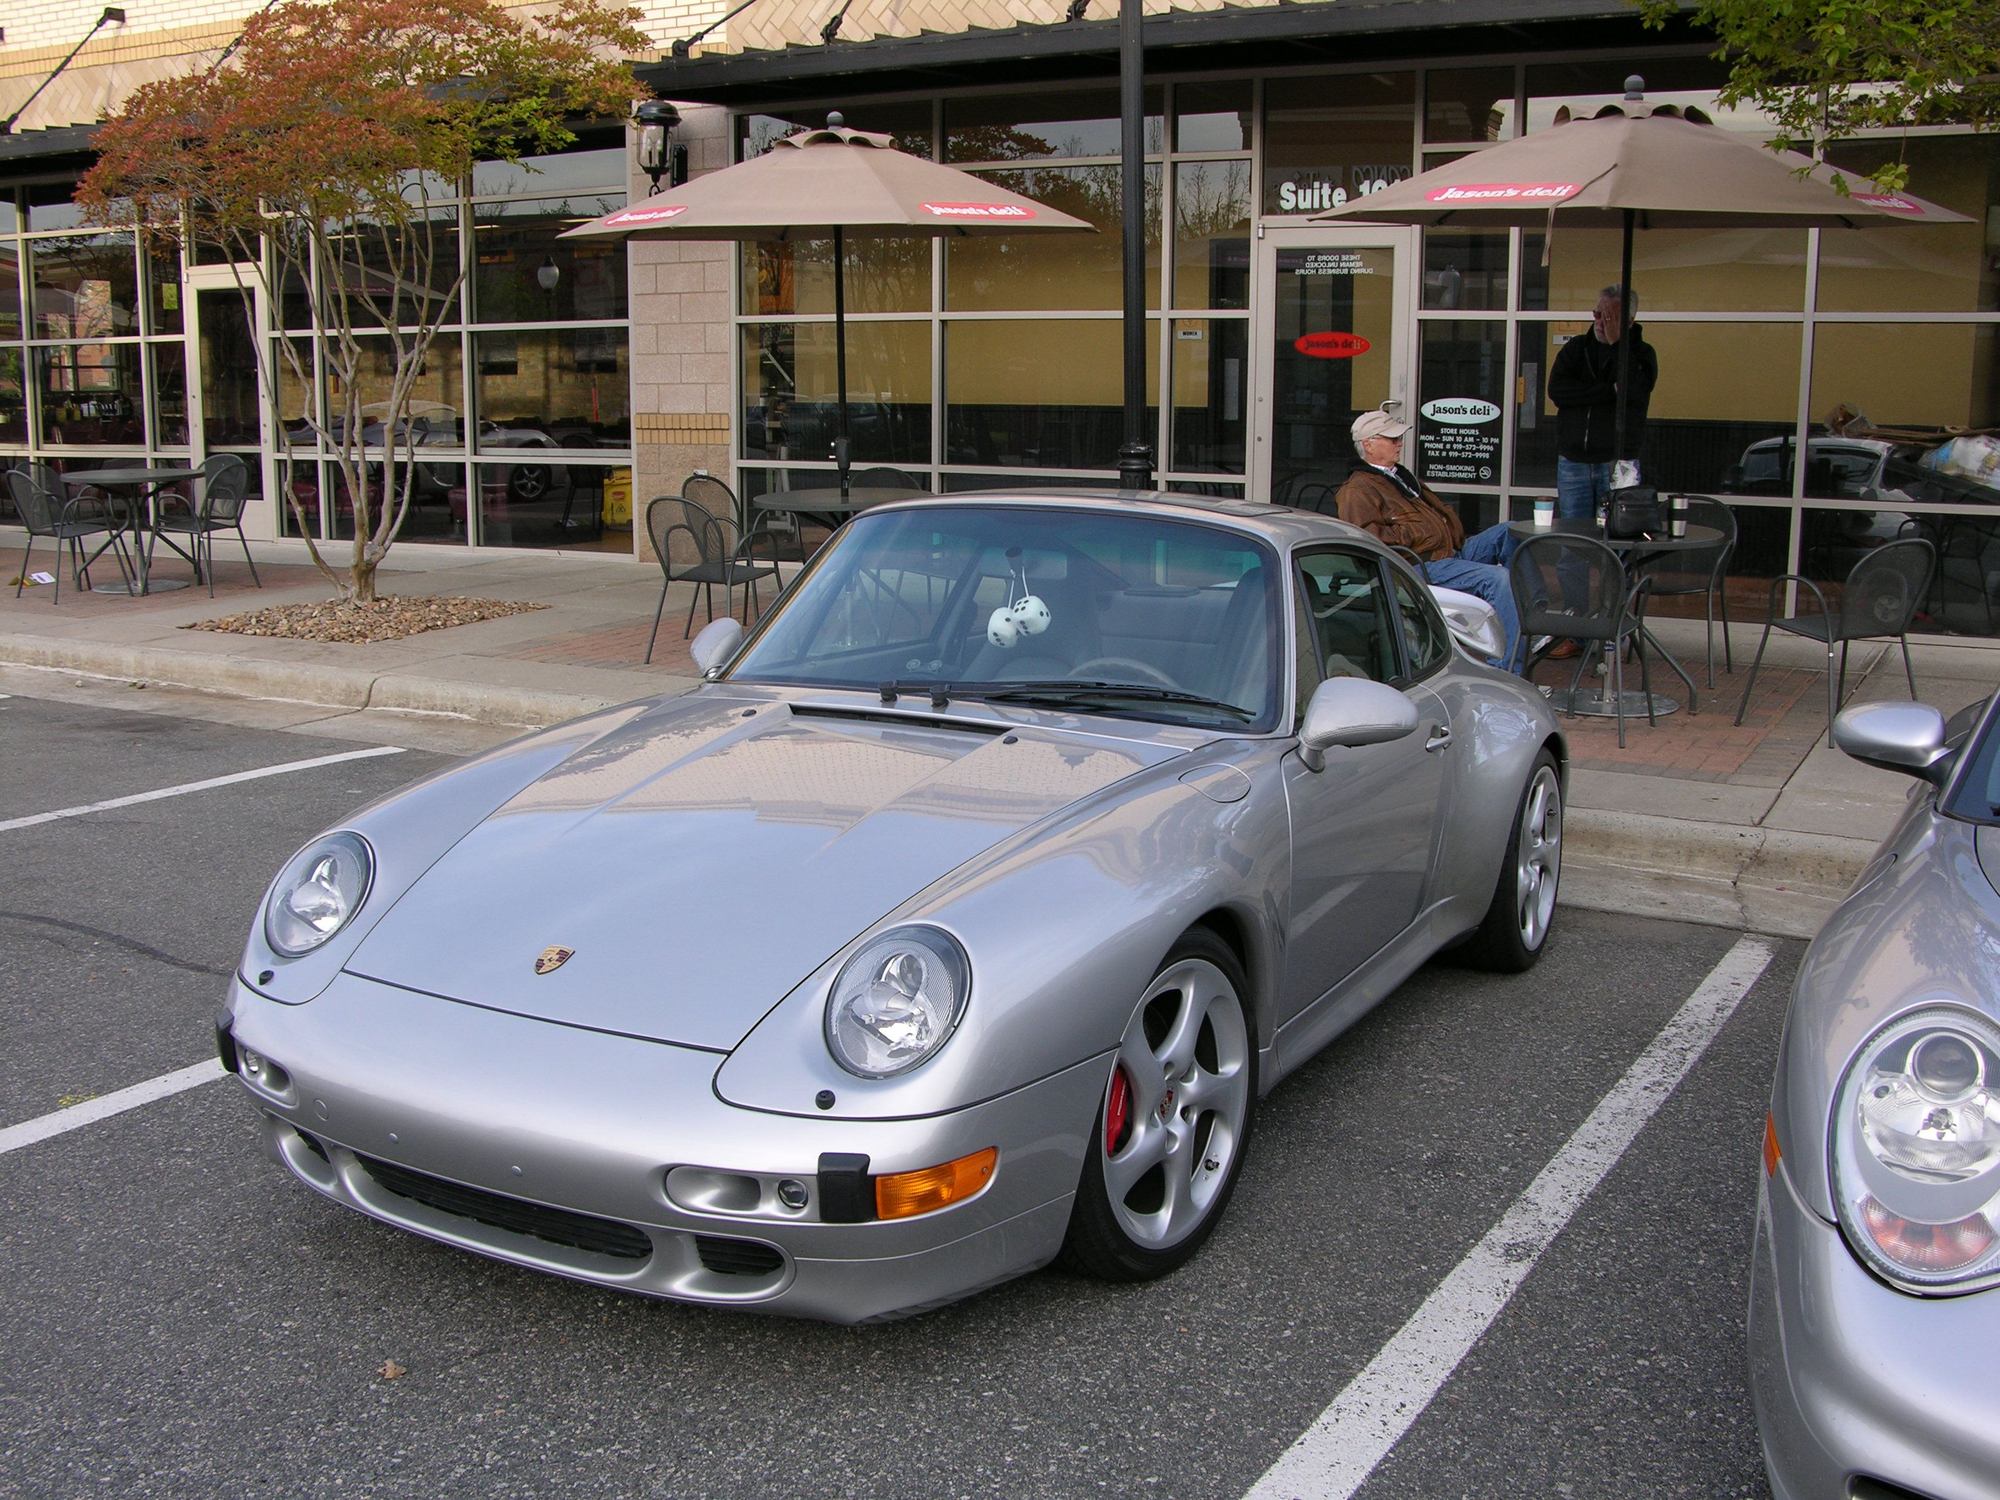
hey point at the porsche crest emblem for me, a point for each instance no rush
(553, 958)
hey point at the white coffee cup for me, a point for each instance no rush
(1545, 513)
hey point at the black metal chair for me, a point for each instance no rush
(1597, 602)
(717, 558)
(884, 477)
(225, 490)
(44, 513)
(1879, 598)
(1700, 570)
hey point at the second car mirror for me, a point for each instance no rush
(714, 644)
(1352, 711)
(1905, 737)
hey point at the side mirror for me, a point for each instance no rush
(714, 644)
(1905, 737)
(1352, 711)
(1473, 623)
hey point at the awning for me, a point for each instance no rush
(1244, 36)
(59, 148)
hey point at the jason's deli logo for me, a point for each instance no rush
(658, 213)
(1456, 411)
(1503, 192)
(979, 210)
(1893, 203)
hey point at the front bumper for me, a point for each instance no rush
(1852, 1379)
(565, 1139)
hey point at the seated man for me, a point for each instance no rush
(1386, 499)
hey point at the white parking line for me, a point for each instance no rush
(8, 824)
(61, 1121)
(1365, 1422)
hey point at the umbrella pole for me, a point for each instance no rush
(1625, 321)
(840, 449)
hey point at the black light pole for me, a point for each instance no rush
(1135, 457)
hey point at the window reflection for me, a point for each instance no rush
(1468, 104)
(580, 170)
(1920, 267)
(524, 273)
(1031, 127)
(1212, 234)
(553, 387)
(907, 124)
(1465, 268)
(1905, 376)
(393, 274)
(1055, 272)
(789, 392)
(1326, 140)
(1211, 366)
(888, 273)
(90, 394)
(85, 286)
(1039, 393)
(1212, 116)
(1675, 270)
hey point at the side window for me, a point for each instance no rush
(1425, 637)
(1307, 648)
(1351, 622)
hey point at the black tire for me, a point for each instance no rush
(1516, 927)
(529, 481)
(1101, 1241)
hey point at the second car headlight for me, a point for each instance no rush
(896, 1001)
(1916, 1151)
(318, 893)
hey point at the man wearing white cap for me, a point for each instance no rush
(1384, 498)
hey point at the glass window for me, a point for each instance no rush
(163, 290)
(1351, 622)
(1920, 267)
(790, 390)
(889, 273)
(533, 502)
(1465, 268)
(1039, 393)
(1212, 116)
(1426, 643)
(85, 286)
(1577, 90)
(10, 213)
(1675, 270)
(1923, 376)
(50, 207)
(523, 273)
(90, 394)
(170, 414)
(1334, 330)
(1330, 139)
(10, 288)
(1211, 234)
(1055, 272)
(435, 395)
(596, 163)
(1034, 127)
(547, 388)
(295, 394)
(1468, 104)
(1461, 402)
(13, 396)
(401, 275)
(907, 124)
(1722, 387)
(1211, 367)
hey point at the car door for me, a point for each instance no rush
(1364, 827)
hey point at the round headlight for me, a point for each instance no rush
(1916, 1150)
(896, 1001)
(318, 893)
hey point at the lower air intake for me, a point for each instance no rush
(516, 1215)
(736, 1257)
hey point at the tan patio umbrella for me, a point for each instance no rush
(839, 181)
(1634, 165)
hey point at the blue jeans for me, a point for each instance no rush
(1480, 569)
(1579, 486)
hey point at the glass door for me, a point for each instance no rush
(1333, 342)
(225, 414)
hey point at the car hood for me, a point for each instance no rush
(703, 859)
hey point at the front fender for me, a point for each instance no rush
(1063, 931)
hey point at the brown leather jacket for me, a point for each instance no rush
(1427, 526)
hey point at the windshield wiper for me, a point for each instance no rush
(939, 692)
(1064, 690)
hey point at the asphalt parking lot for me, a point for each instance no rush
(185, 1320)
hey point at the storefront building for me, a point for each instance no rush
(569, 376)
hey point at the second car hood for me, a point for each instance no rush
(706, 857)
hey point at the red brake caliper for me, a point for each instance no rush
(1117, 1111)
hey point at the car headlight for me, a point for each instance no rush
(896, 1001)
(1916, 1151)
(318, 893)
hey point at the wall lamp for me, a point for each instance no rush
(658, 157)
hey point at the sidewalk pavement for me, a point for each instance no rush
(1759, 828)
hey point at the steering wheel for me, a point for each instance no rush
(1143, 670)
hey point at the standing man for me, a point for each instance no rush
(1384, 498)
(1583, 383)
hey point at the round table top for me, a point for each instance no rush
(1697, 536)
(830, 502)
(116, 477)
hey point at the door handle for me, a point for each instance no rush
(1440, 737)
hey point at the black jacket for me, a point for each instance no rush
(1584, 386)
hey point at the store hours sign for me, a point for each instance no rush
(1459, 440)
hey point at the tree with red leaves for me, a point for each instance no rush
(320, 159)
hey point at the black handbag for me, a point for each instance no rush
(1633, 512)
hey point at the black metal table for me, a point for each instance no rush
(827, 506)
(1599, 702)
(146, 485)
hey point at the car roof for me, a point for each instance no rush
(1283, 526)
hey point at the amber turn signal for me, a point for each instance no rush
(1771, 1152)
(898, 1195)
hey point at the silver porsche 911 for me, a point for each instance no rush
(1875, 1288)
(955, 923)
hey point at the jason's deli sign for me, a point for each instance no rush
(657, 213)
(979, 210)
(1504, 192)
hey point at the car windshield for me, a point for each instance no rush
(1093, 611)
(1976, 795)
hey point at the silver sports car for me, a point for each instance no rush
(955, 923)
(1875, 1289)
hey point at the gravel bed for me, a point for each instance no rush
(389, 618)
